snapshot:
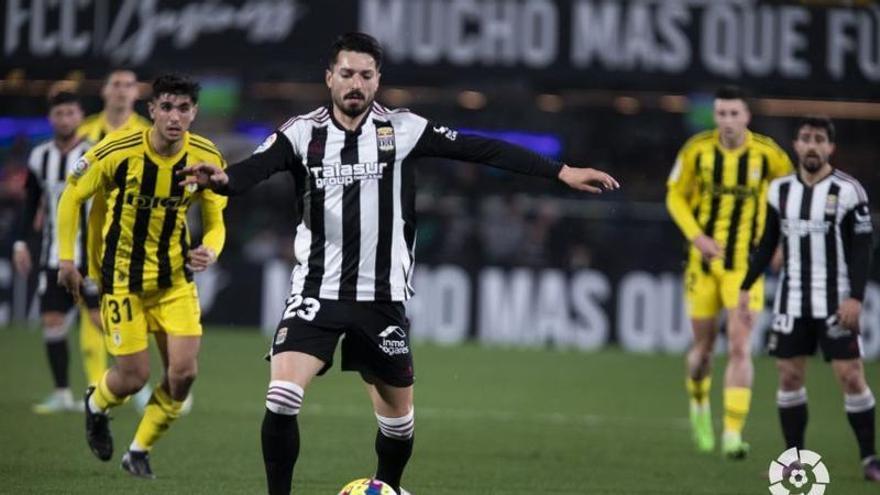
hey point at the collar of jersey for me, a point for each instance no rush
(746, 142)
(823, 179)
(360, 126)
(162, 159)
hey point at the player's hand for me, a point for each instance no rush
(21, 258)
(848, 314)
(70, 278)
(204, 175)
(743, 312)
(200, 258)
(588, 179)
(708, 247)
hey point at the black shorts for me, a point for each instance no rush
(375, 336)
(54, 298)
(793, 337)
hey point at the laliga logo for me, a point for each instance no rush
(798, 472)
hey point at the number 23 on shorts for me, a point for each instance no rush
(304, 308)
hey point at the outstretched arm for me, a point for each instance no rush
(275, 155)
(440, 141)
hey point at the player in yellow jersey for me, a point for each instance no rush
(716, 197)
(147, 263)
(119, 92)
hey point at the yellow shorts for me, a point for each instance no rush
(707, 293)
(128, 318)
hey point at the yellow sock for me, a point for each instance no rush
(698, 390)
(103, 398)
(91, 343)
(160, 412)
(736, 408)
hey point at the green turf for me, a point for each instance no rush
(490, 421)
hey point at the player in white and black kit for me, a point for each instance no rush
(820, 217)
(353, 165)
(48, 166)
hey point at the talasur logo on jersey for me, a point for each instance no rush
(340, 174)
(393, 341)
(802, 228)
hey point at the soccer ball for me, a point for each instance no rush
(367, 486)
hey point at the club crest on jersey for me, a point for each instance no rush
(281, 336)
(80, 167)
(192, 188)
(831, 204)
(267, 143)
(385, 138)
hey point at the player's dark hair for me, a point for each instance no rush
(356, 42)
(731, 92)
(818, 122)
(176, 84)
(63, 98)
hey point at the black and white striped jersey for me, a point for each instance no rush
(48, 168)
(356, 234)
(825, 233)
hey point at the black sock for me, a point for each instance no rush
(280, 437)
(863, 426)
(59, 357)
(794, 424)
(393, 456)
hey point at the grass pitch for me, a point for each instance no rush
(489, 421)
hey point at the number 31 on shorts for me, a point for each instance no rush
(305, 308)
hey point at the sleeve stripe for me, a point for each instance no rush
(126, 137)
(108, 148)
(209, 150)
(121, 147)
(859, 190)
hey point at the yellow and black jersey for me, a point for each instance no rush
(144, 234)
(720, 192)
(95, 127)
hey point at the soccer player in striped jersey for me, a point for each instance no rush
(119, 93)
(353, 163)
(48, 166)
(715, 196)
(147, 262)
(821, 218)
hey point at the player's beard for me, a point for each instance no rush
(812, 162)
(65, 136)
(354, 107)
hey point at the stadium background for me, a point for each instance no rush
(503, 260)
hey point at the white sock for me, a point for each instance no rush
(93, 408)
(136, 447)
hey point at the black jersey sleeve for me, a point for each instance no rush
(856, 230)
(444, 142)
(33, 193)
(276, 154)
(761, 256)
